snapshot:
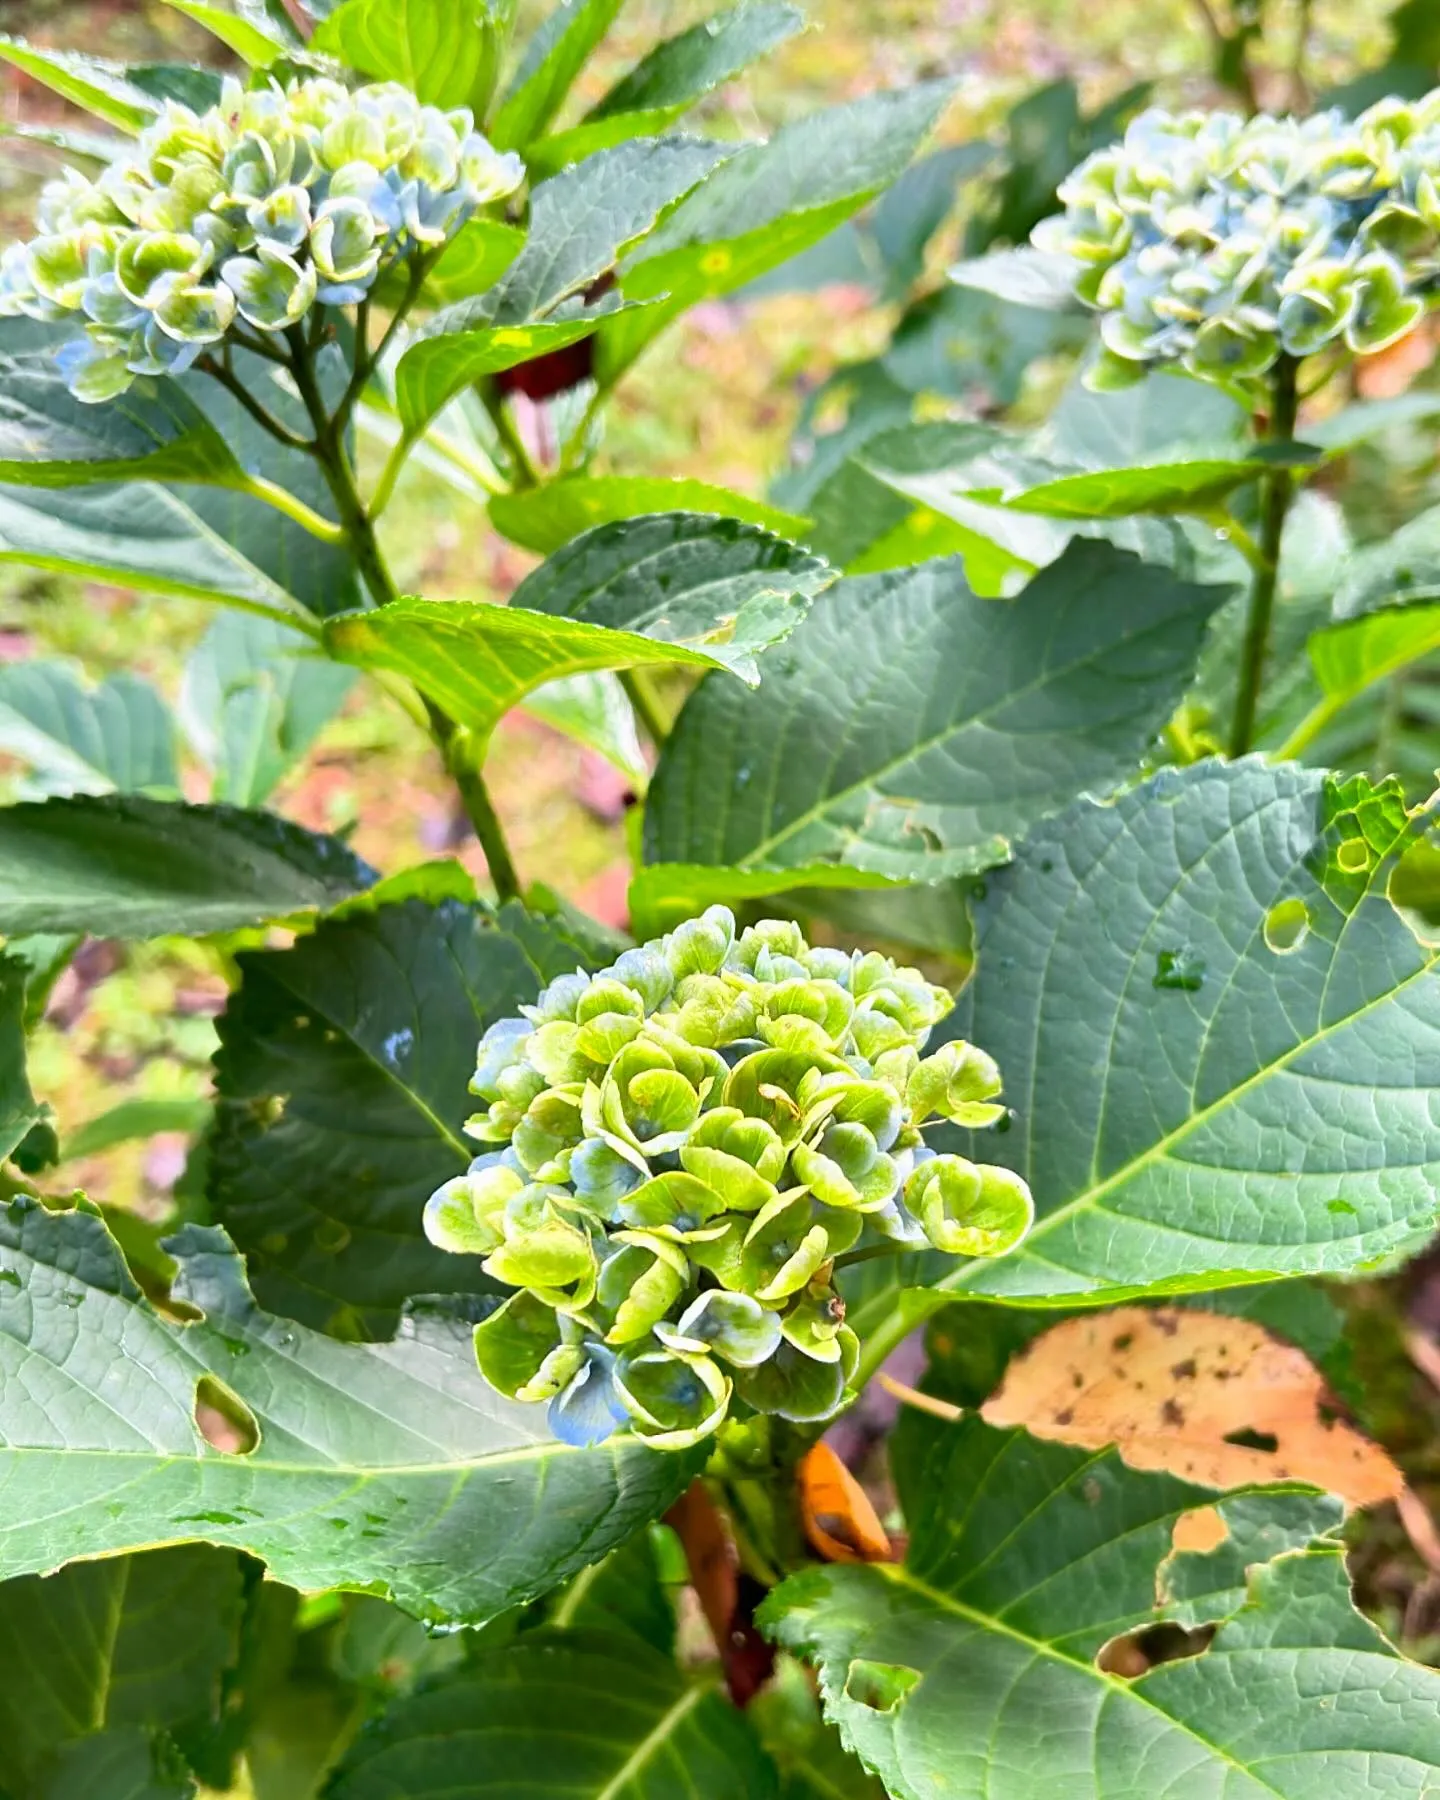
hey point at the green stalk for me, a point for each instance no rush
(1278, 494)
(453, 740)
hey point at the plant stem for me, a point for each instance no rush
(1279, 492)
(640, 691)
(272, 494)
(233, 385)
(453, 740)
(525, 474)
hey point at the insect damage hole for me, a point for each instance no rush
(223, 1419)
(880, 1686)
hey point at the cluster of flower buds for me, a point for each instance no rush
(692, 1137)
(1221, 243)
(273, 200)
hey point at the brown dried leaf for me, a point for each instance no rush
(839, 1520)
(1214, 1399)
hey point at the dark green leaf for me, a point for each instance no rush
(813, 1763)
(915, 208)
(949, 722)
(1403, 566)
(546, 517)
(126, 866)
(389, 1468)
(96, 1647)
(20, 1112)
(126, 1764)
(641, 1730)
(442, 50)
(48, 438)
(1164, 981)
(79, 740)
(622, 1594)
(256, 696)
(553, 58)
(664, 894)
(969, 1673)
(766, 204)
(343, 1081)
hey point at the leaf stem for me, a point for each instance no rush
(640, 692)
(453, 740)
(526, 475)
(1279, 492)
(272, 494)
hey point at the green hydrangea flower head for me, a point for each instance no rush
(278, 198)
(683, 1144)
(1219, 243)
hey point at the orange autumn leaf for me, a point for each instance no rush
(840, 1522)
(1214, 1399)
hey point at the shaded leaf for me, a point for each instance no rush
(546, 517)
(131, 1119)
(1166, 981)
(1403, 566)
(95, 1648)
(767, 203)
(970, 1672)
(20, 1112)
(390, 1468)
(343, 1086)
(255, 697)
(126, 866)
(593, 710)
(662, 895)
(951, 722)
(82, 740)
(492, 1730)
(125, 1764)
(553, 58)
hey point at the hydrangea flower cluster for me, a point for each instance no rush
(691, 1138)
(1221, 243)
(275, 199)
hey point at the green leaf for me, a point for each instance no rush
(580, 223)
(1351, 656)
(387, 1468)
(678, 588)
(48, 438)
(253, 43)
(131, 1119)
(649, 1732)
(1196, 485)
(766, 204)
(668, 81)
(474, 260)
(1403, 566)
(813, 1763)
(20, 1112)
(1163, 981)
(683, 578)
(553, 58)
(121, 865)
(126, 1764)
(1024, 277)
(79, 740)
(546, 517)
(255, 697)
(950, 723)
(910, 213)
(593, 710)
(663, 895)
(343, 1087)
(442, 50)
(623, 1594)
(103, 88)
(96, 1647)
(968, 1673)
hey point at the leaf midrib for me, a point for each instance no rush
(653, 1740)
(1038, 1647)
(1159, 1149)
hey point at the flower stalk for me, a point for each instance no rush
(1278, 495)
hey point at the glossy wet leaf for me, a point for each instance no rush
(48, 438)
(969, 1672)
(649, 1731)
(123, 865)
(76, 739)
(343, 1081)
(95, 1648)
(768, 203)
(950, 722)
(546, 517)
(1156, 1121)
(387, 1467)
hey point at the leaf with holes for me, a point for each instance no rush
(81, 740)
(389, 1468)
(971, 1672)
(1170, 982)
(649, 1732)
(95, 1649)
(343, 1087)
(123, 865)
(949, 722)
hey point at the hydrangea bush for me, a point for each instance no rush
(442, 1370)
(695, 1138)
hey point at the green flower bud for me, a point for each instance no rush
(733, 1327)
(740, 1159)
(549, 1130)
(645, 1101)
(700, 946)
(545, 1253)
(639, 1283)
(466, 1215)
(969, 1209)
(674, 1401)
(958, 1083)
(148, 263)
(512, 1344)
(271, 290)
(798, 1387)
